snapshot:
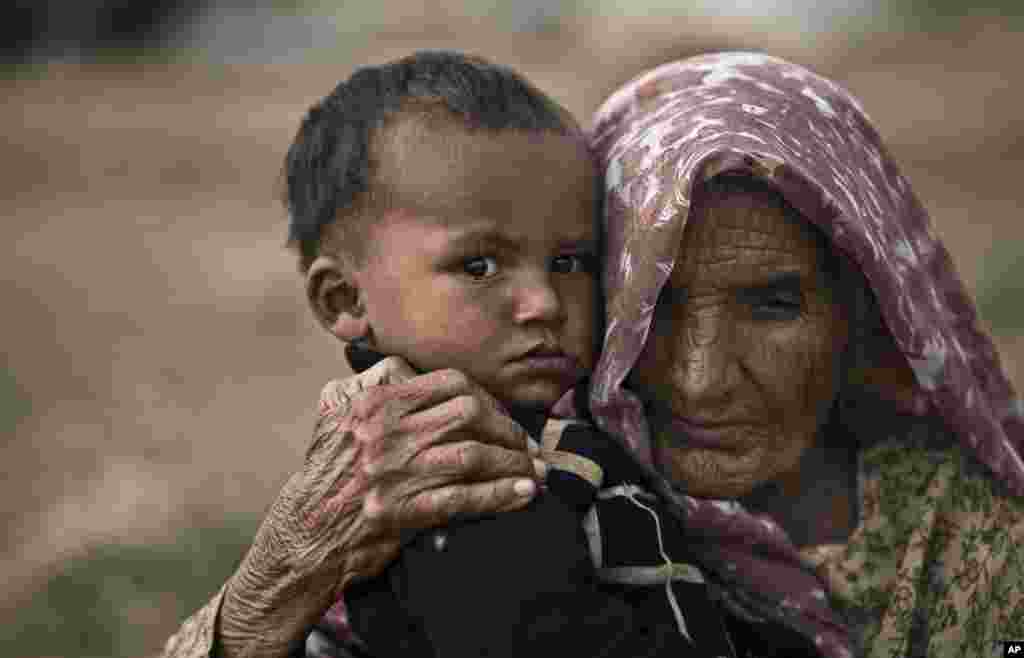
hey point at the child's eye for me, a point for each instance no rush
(481, 267)
(573, 263)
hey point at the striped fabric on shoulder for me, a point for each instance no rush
(572, 462)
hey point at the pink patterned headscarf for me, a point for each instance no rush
(682, 123)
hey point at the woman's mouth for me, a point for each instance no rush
(701, 434)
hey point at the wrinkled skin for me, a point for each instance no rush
(393, 453)
(745, 347)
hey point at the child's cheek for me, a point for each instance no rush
(584, 325)
(467, 326)
(453, 332)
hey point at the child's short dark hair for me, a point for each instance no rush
(327, 168)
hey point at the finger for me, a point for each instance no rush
(334, 397)
(391, 370)
(420, 392)
(455, 469)
(456, 502)
(463, 462)
(337, 395)
(471, 461)
(441, 506)
(459, 420)
(469, 416)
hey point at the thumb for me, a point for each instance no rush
(392, 370)
(337, 393)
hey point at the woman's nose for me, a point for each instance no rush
(537, 300)
(705, 369)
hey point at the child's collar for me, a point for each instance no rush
(360, 357)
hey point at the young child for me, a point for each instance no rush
(445, 211)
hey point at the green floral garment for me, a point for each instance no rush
(936, 566)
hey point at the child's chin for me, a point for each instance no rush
(537, 398)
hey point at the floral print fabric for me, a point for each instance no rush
(942, 588)
(935, 568)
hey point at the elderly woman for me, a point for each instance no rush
(798, 367)
(801, 362)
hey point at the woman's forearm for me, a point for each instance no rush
(269, 604)
(197, 635)
(264, 623)
(342, 516)
(240, 623)
(278, 592)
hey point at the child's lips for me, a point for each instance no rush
(548, 363)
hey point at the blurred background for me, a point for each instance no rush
(160, 367)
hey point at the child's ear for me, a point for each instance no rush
(334, 294)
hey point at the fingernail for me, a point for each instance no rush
(540, 468)
(524, 488)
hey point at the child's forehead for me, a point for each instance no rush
(451, 168)
(455, 230)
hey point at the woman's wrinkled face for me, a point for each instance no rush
(741, 366)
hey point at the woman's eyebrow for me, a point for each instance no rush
(777, 282)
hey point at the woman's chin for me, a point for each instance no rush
(710, 473)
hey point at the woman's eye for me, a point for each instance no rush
(480, 267)
(777, 308)
(671, 296)
(573, 263)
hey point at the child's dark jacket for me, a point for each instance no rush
(594, 566)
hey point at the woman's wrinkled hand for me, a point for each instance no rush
(393, 453)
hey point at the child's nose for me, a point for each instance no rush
(538, 300)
